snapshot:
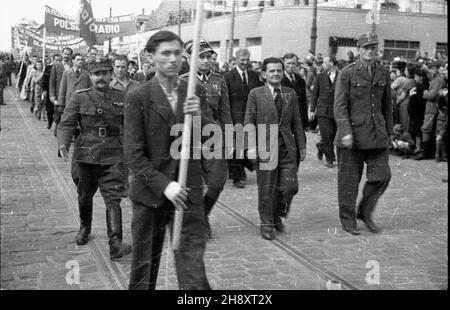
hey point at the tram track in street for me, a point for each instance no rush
(109, 269)
(299, 256)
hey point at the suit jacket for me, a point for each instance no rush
(69, 84)
(55, 80)
(22, 69)
(299, 86)
(261, 110)
(45, 82)
(363, 107)
(238, 94)
(322, 98)
(148, 122)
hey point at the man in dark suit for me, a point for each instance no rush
(363, 113)
(275, 106)
(322, 100)
(73, 79)
(152, 109)
(21, 72)
(240, 81)
(46, 86)
(55, 80)
(297, 83)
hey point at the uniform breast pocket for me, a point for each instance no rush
(359, 89)
(381, 86)
(118, 117)
(88, 110)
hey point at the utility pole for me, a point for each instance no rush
(314, 28)
(233, 15)
(179, 18)
(375, 12)
(110, 43)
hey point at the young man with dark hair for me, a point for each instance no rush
(121, 79)
(151, 111)
(73, 79)
(275, 105)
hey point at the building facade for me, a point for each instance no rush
(274, 31)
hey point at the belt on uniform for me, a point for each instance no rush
(102, 132)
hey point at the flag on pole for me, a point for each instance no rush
(87, 23)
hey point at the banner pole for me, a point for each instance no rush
(43, 47)
(138, 49)
(186, 143)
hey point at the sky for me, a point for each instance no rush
(13, 11)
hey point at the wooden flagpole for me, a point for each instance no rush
(187, 128)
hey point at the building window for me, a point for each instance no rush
(254, 46)
(216, 47)
(442, 49)
(235, 48)
(340, 46)
(397, 48)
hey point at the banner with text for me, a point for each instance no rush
(32, 39)
(117, 26)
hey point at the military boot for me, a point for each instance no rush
(85, 223)
(117, 249)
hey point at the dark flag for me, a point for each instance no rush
(87, 23)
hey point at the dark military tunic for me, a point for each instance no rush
(100, 116)
(362, 107)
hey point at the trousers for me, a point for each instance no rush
(350, 169)
(148, 227)
(276, 189)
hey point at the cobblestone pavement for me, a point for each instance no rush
(39, 220)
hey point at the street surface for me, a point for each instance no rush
(39, 221)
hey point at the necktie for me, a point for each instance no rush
(292, 78)
(77, 74)
(204, 78)
(369, 69)
(244, 79)
(278, 101)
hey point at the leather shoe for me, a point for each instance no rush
(279, 226)
(319, 152)
(238, 184)
(353, 230)
(268, 235)
(330, 164)
(371, 226)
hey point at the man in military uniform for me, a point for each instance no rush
(97, 159)
(214, 169)
(363, 115)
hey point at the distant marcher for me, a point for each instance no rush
(431, 112)
(322, 104)
(36, 79)
(416, 108)
(21, 72)
(3, 82)
(296, 82)
(240, 81)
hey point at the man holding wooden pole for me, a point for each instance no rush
(152, 112)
